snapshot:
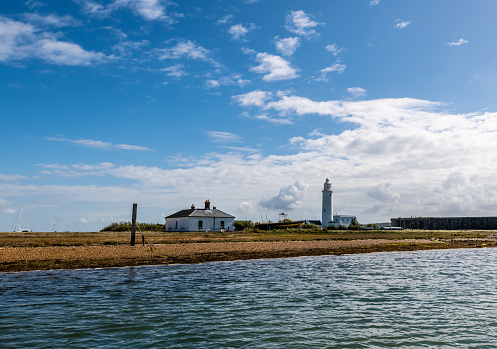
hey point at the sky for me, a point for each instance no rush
(251, 104)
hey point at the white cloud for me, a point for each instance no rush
(52, 20)
(402, 24)
(225, 20)
(239, 31)
(65, 53)
(356, 91)
(300, 23)
(126, 48)
(335, 68)
(287, 46)
(19, 41)
(288, 198)
(246, 208)
(334, 49)
(273, 120)
(176, 71)
(32, 4)
(254, 98)
(274, 67)
(457, 43)
(374, 2)
(187, 49)
(223, 137)
(231, 80)
(383, 193)
(11, 178)
(100, 144)
(149, 10)
(83, 220)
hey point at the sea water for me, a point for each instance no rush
(438, 299)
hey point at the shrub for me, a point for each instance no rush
(308, 226)
(243, 225)
(126, 226)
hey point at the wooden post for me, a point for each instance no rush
(133, 225)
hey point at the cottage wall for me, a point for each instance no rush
(191, 224)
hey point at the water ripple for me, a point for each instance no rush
(436, 299)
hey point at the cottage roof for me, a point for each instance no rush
(195, 212)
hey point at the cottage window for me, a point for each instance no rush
(176, 224)
(222, 224)
(200, 224)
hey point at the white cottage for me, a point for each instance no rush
(342, 220)
(198, 219)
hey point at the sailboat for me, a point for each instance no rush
(21, 230)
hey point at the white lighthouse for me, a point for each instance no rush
(327, 215)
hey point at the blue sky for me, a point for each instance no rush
(251, 104)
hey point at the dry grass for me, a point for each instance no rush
(29, 251)
(40, 239)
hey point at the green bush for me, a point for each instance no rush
(308, 226)
(243, 225)
(126, 226)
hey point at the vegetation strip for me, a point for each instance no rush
(42, 251)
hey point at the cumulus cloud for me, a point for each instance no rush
(254, 98)
(356, 91)
(100, 144)
(402, 24)
(300, 23)
(147, 9)
(288, 198)
(460, 195)
(187, 49)
(246, 208)
(19, 41)
(239, 31)
(416, 153)
(274, 67)
(457, 43)
(374, 2)
(287, 46)
(383, 193)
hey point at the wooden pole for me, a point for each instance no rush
(133, 225)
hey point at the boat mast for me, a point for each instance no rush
(20, 214)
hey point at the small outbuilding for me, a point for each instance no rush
(200, 219)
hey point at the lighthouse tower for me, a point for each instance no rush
(327, 214)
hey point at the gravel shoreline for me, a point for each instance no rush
(14, 259)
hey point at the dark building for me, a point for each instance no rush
(446, 223)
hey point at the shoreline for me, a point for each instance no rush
(16, 259)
